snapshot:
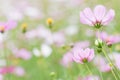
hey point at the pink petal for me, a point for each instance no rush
(91, 56)
(99, 12)
(10, 25)
(84, 20)
(110, 15)
(89, 14)
(86, 53)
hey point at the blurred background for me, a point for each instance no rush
(37, 52)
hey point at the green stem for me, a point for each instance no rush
(88, 68)
(114, 74)
(110, 63)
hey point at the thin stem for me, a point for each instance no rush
(101, 75)
(114, 74)
(88, 68)
(113, 64)
(110, 63)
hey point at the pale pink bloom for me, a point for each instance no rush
(71, 30)
(99, 16)
(82, 55)
(5, 70)
(82, 44)
(19, 71)
(109, 39)
(7, 25)
(101, 64)
(91, 78)
(23, 54)
(1, 77)
(58, 38)
(67, 59)
(115, 58)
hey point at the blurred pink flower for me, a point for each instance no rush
(82, 56)
(5, 70)
(109, 39)
(82, 44)
(19, 71)
(23, 54)
(115, 58)
(67, 59)
(4, 26)
(98, 17)
(101, 64)
(58, 38)
(91, 78)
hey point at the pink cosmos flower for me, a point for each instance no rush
(4, 26)
(108, 39)
(101, 64)
(115, 58)
(23, 54)
(19, 71)
(82, 44)
(5, 70)
(98, 17)
(67, 59)
(91, 78)
(83, 56)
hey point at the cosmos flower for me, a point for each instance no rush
(101, 64)
(67, 59)
(83, 55)
(23, 54)
(4, 26)
(98, 17)
(108, 39)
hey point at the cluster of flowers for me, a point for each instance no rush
(98, 18)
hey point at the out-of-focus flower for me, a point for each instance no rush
(115, 58)
(46, 50)
(18, 16)
(24, 27)
(82, 55)
(19, 71)
(67, 59)
(5, 70)
(82, 44)
(91, 78)
(101, 64)
(98, 17)
(109, 39)
(33, 12)
(49, 21)
(1, 77)
(23, 54)
(2, 62)
(58, 38)
(4, 26)
(71, 30)
(36, 52)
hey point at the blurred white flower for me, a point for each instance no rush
(46, 50)
(71, 30)
(36, 52)
(2, 63)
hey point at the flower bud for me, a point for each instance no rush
(24, 27)
(99, 43)
(49, 22)
(2, 29)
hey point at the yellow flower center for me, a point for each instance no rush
(49, 21)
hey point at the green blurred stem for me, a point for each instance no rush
(110, 63)
(114, 74)
(116, 70)
(88, 68)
